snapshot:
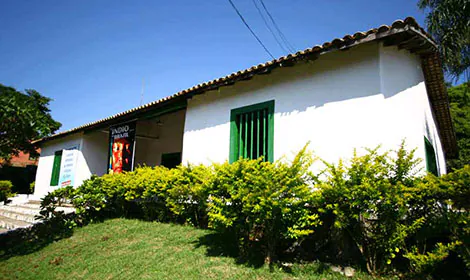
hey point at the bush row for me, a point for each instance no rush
(396, 220)
(5, 190)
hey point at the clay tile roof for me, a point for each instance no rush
(405, 34)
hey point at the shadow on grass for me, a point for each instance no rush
(226, 245)
(24, 241)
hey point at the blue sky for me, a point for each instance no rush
(92, 56)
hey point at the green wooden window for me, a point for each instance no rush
(252, 131)
(431, 163)
(56, 168)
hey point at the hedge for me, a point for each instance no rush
(399, 221)
(5, 190)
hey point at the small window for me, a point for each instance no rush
(171, 160)
(252, 132)
(56, 168)
(431, 163)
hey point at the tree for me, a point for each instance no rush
(459, 98)
(448, 21)
(24, 117)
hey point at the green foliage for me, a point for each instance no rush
(459, 98)
(135, 249)
(32, 186)
(425, 263)
(24, 117)
(456, 186)
(52, 200)
(188, 192)
(158, 193)
(368, 200)
(398, 219)
(5, 190)
(90, 199)
(263, 201)
(449, 23)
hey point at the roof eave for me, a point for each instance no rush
(406, 34)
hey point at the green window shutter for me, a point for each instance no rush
(252, 131)
(431, 163)
(56, 168)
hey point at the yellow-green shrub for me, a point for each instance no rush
(188, 193)
(263, 202)
(369, 201)
(398, 219)
(5, 190)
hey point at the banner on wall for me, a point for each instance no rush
(67, 166)
(121, 147)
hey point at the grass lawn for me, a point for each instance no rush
(133, 249)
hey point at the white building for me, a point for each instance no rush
(371, 88)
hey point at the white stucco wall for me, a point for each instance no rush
(91, 159)
(399, 71)
(95, 152)
(367, 96)
(170, 138)
(46, 160)
(363, 97)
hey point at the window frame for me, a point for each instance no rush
(234, 133)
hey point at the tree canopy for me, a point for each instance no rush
(24, 117)
(459, 98)
(448, 21)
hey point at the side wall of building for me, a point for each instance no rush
(95, 152)
(92, 156)
(46, 160)
(403, 82)
(364, 97)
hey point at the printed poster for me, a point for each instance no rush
(121, 148)
(67, 166)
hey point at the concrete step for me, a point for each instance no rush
(20, 209)
(8, 223)
(27, 205)
(23, 215)
(34, 202)
(12, 214)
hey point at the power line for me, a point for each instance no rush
(283, 37)
(249, 28)
(269, 27)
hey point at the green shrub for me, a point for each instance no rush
(369, 202)
(90, 199)
(263, 202)
(398, 220)
(5, 191)
(148, 187)
(444, 203)
(57, 220)
(31, 187)
(458, 187)
(188, 193)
